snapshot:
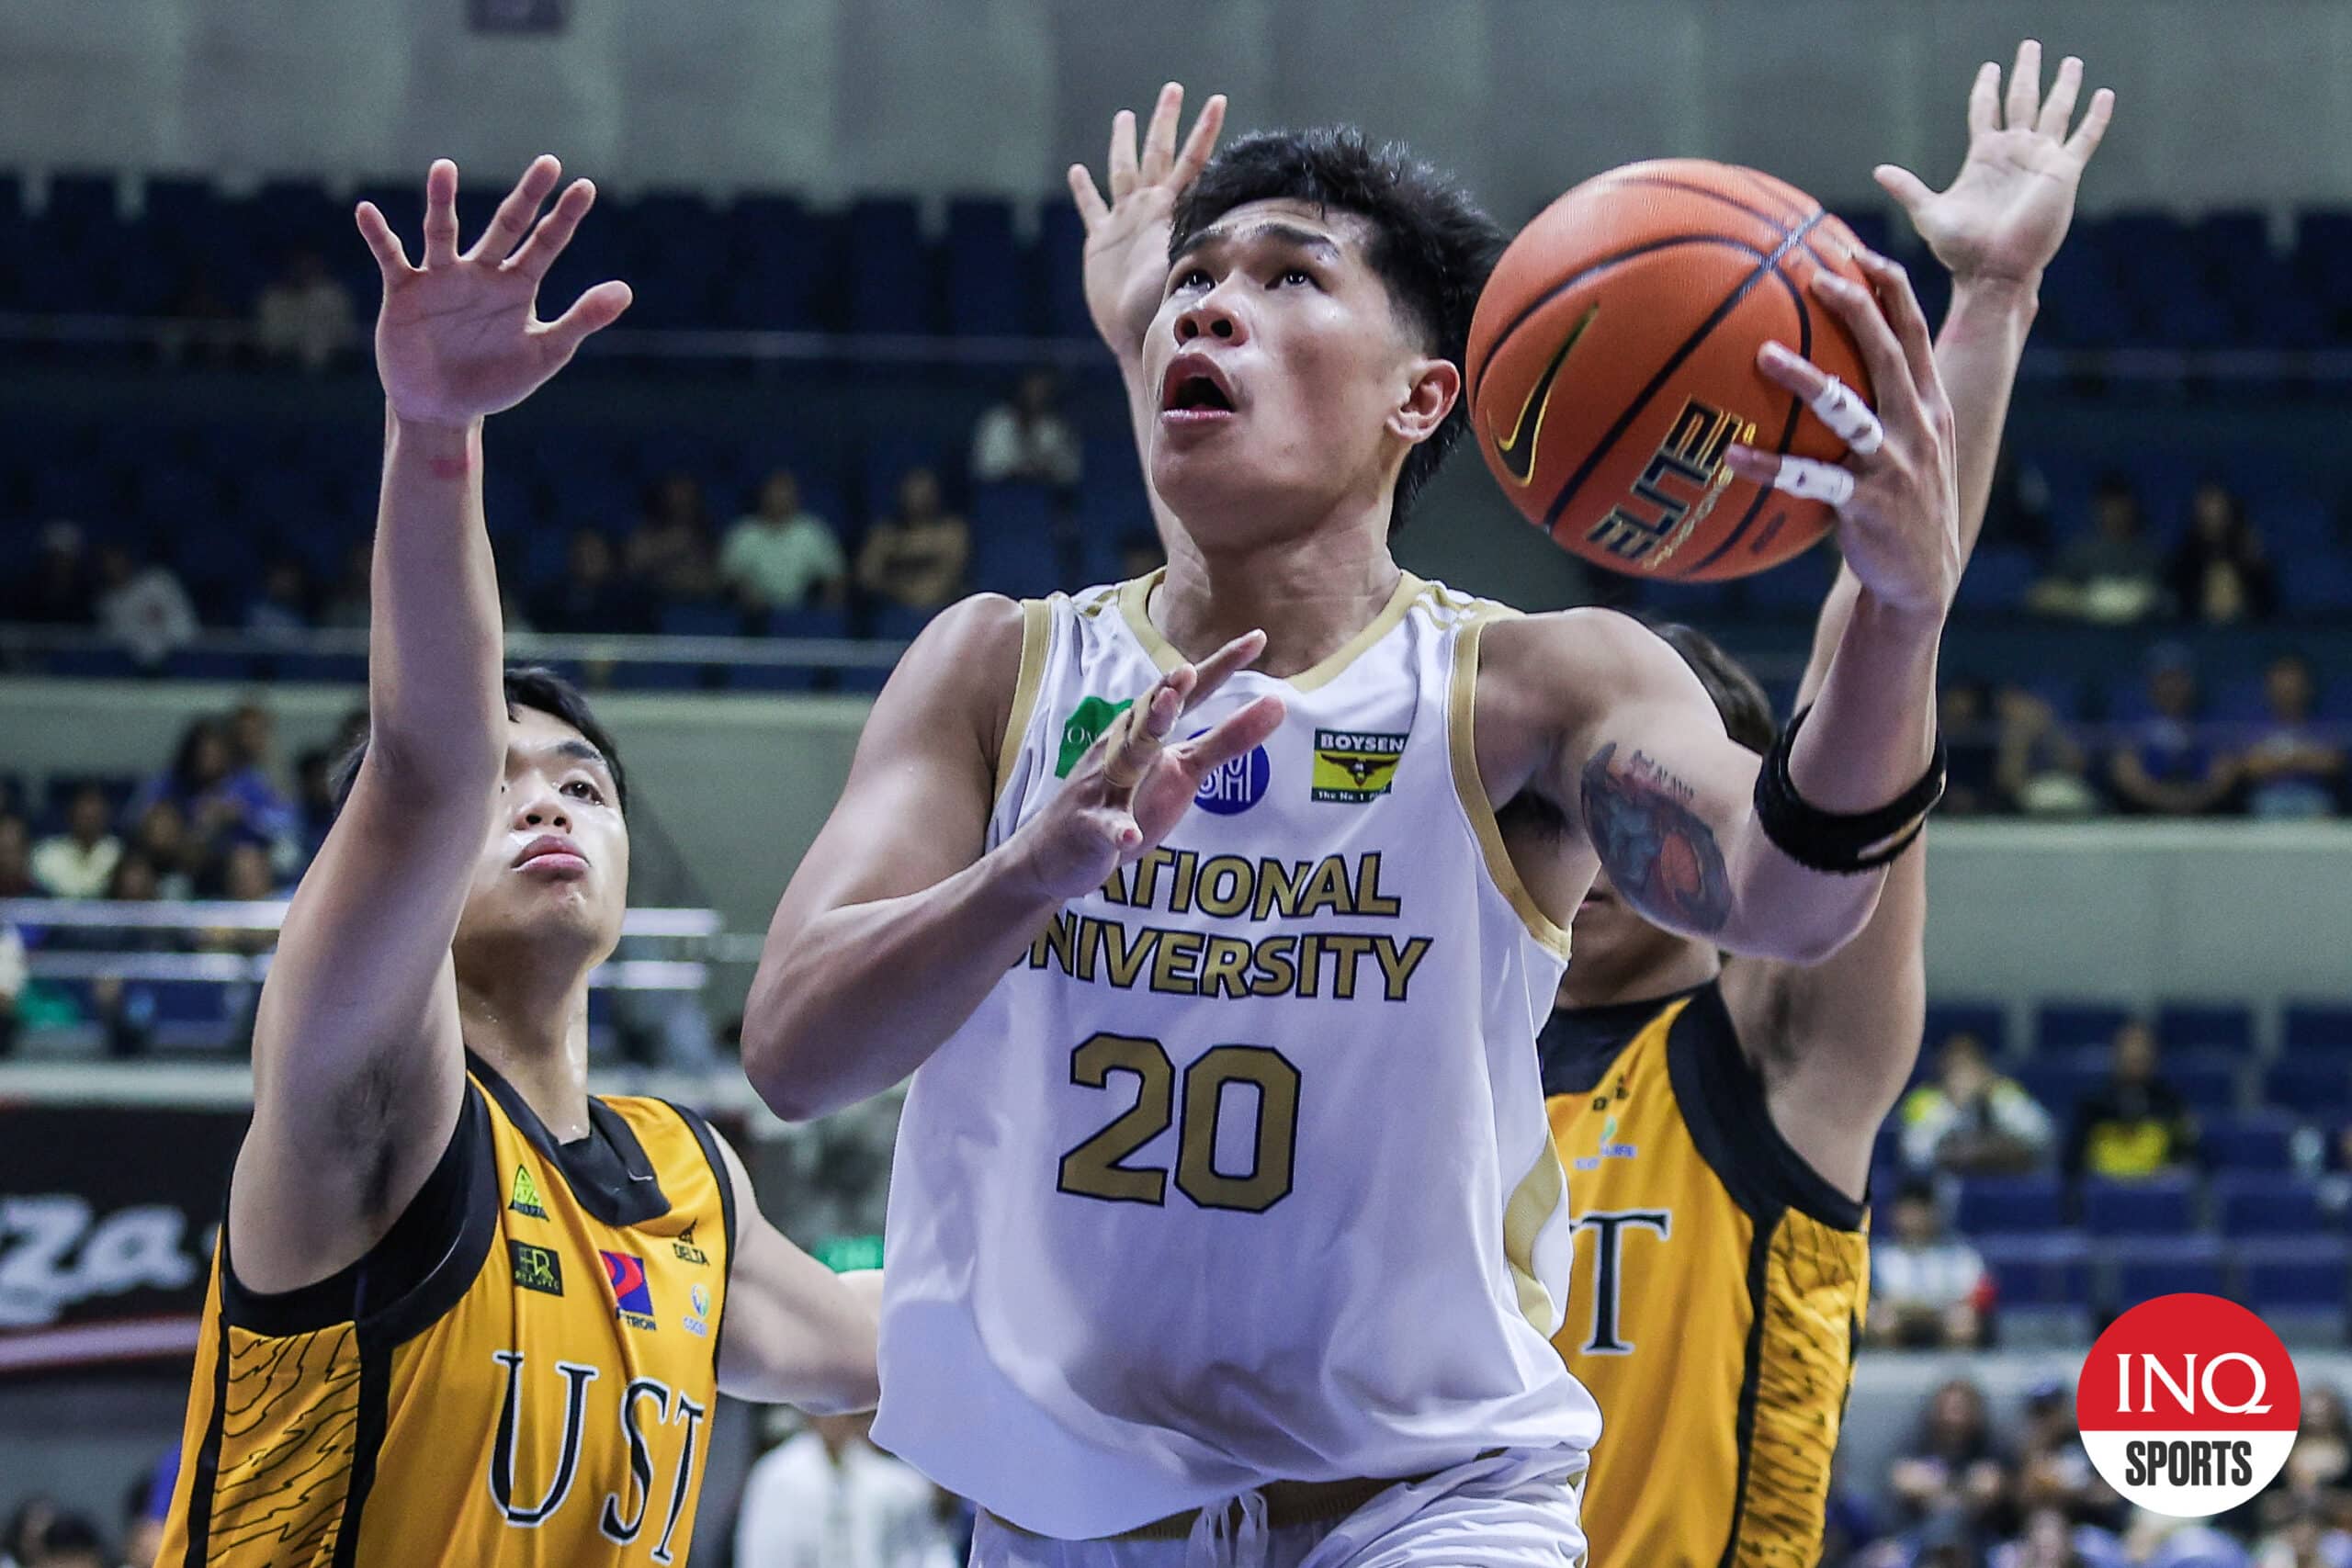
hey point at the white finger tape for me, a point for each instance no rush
(1810, 481)
(1842, 410)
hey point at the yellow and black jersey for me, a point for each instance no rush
(521, 1371)
(1720, 1286)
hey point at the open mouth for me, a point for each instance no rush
(1194, 389)
(1200, 392)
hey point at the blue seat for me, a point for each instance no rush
(2049, 1268)
(1997, 578)
(2272, 1203)
(2207, 1079)
(2318, 1026)
(2305, 1274)
(2228, 1025)
(196, 665)
(2019, 1203)
(701, 620)
(771, 678)
(1061, 243)
(2067, 1023)
(2145, 1268)
(2250, 1140)
(988, 294)
(2150, 1206)
(889, 268)
(325, 669)
(189, 1001)
(809, 621)
(659, 675)
(94, 663)
(1989, 1022)
(2057, 1080)
(2314, 1085)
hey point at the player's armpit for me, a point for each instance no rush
(795, 1332)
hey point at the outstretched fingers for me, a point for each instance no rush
(1201, 143)
(1092, 208)
(589, 314)
(2058, 108)
(1236, 735)
(1901, 303)
(555, 230)
(512, 222)
(1123, 153)
(1134, 741)
(390, 258)
(441, 214)
(1220, 666)
(2025, 86)
(2086, 139)
(1159, 136)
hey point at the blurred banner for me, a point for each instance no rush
(108, 1215)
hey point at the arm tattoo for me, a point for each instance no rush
(1659, 854)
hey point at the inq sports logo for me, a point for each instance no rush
(2188, 1405)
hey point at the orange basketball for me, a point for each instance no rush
(1613, 358)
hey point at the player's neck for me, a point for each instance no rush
(1309, 592)
(1650, 977)
(536, 1036)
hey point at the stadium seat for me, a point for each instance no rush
(2061, 1024)
(2229, 1026)
(2150, 1206)
(2311, 1026)
(2038, 1269)
(2207, 1079)
(1989, 1022)
(2143, 1268)
(988, 294)
(2305, 1274)
(2269, 1204)
(2250, 1140)
(2019, 1203)
(2314, 1085)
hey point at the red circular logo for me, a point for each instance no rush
(2189, 1404)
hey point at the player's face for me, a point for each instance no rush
(1285, 380)
(555, 866)
(1616, 949)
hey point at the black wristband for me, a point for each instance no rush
(1835, 842)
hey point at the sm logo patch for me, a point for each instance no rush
(1354, 766)
(632, 1298)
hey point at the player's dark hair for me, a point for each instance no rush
(1738, 697)
(1431, 244)
(533, 686)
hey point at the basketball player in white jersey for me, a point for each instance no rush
(1225, 1222)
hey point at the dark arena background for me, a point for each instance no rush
(859, 381)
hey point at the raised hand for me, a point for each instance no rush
(1126, 238)
(459, 336)
(2005, 214)
(1896, 495)
(1129, 792)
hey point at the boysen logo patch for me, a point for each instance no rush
(525, 1198)
(632, 1298)
(1084, 726)
(537, 1268)
(683, 1244)
(1355, 766)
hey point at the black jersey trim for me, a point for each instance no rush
(1760, 1263)
(708, 1139)
(1730, 1120)
(416, 1272)
(1578, 1045)
(607, 1171)
(368, 1440)
(207, 1464)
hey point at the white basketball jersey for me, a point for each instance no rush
(1242, 1174)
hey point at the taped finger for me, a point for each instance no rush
(1809, 479)
(1841, 408)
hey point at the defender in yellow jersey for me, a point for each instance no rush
(1715, 1114)
(463, 1312)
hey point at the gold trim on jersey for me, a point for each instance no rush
(1533, 1204)
(1134, 602)
(1036, 630)
(1461, 736)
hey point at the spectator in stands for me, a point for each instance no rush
(2053, 1470)
(2220, 572)
(313, 799)
(142, 604)
(2291, 769)
(146, 1506)
(304, 317)
(2016, 512)
(783, 556)
(218, 797)
(244, 876)
(2050, 1539)
(200, 321)
(2110, 576)
(2136, 1123)
(1972, 1120)
(2305, 1537)
(70, 1541)
(1954, 1471)
(77, 862)
(2318, 1475)
(281, 608)
(171, 854)
(2167, 766)
(25, 1525)
(916, 559)
(1973, 745)
(670, 551)
(17, 879)
(1927, 1289)
(58, 591)
(2040, 769)
(1026, 439)
(829, 1498)
(589, 597)
(348, 605)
